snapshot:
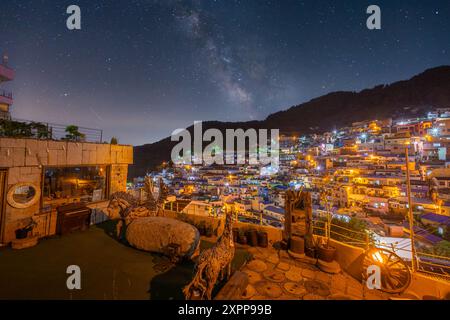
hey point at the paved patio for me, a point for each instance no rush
(276, 275)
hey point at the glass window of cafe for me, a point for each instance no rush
(75, 184)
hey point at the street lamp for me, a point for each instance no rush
(410, 210)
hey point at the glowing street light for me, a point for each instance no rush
(435, 132)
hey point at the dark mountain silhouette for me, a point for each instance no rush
(409, 98)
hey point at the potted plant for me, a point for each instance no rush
(22, 233)
(325, 251)
(73, 134)
(263, 239)
(242, 238)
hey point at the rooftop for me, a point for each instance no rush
(111, 270)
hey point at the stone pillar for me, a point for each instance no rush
(118, 176)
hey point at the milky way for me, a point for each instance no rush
(139, 69)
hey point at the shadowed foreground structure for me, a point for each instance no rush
(109, 269)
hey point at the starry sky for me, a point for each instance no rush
(140, 69)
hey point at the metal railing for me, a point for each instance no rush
(19, 128)
(342, 234)
(429, 264)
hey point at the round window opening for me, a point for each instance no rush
(23, 195)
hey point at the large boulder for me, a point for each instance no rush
(156, 234)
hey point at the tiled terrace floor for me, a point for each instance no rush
(276, 275)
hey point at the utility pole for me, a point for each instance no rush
(410, 211)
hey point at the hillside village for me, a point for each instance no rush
(362, 167)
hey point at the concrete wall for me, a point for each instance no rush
(25, 159)
(217, 224)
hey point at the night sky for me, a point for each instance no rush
(139, 69)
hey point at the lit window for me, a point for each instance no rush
(84, 184)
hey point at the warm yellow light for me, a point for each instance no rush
(377, 256)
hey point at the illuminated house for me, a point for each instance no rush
(6, 98)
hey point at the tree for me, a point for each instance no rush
(114, 140)
(73, 134)
(41, 130)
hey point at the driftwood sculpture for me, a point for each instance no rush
(298, 219)
(126, 207)
(212, 263)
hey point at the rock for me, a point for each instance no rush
(323, 277)
(295, 289)
(155, 234)
(273, 258)
(283, 266)
(274, 276)
(257, 266)
(253, 276)
(307, 273)
(317, 287)
(268, 289)
(294, 274)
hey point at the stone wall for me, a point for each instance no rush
(24, 160)
(217, 224)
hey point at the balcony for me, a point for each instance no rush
(6, 97)
(6, 74)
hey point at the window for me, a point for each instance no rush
(85, 184)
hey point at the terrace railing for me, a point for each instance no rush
(433, 265)
(342, 234)
(19, 128)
